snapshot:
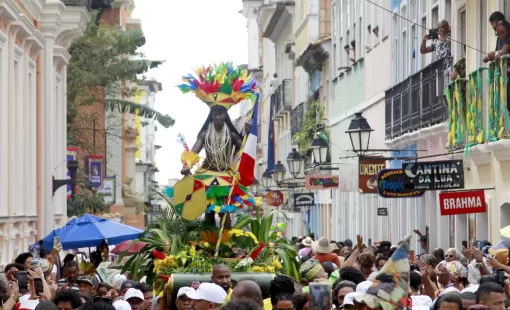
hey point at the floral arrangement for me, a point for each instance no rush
(242, 241)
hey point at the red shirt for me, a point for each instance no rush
(327, 257)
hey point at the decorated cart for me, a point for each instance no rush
(183, 247)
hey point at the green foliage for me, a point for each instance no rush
(86, 202)
(312, 123)
(104, 64)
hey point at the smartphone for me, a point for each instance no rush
(464, 244)
(320, 296)
(38, 286)
(22, 278)
(433, 33)
(56, 240)
(500, 276)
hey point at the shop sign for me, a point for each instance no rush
(304, 200)
(464, 202)
(446, 174)
(274, 198)
(314, 182)
(382, 211)
(369, 167)
(393, 183)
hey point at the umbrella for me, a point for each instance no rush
(89, 230)
(129, 246)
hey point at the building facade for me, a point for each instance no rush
(34, 36)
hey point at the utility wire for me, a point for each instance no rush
(419, 25)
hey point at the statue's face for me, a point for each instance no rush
(270, 247)
(218, 117)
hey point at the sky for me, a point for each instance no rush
(186, 34)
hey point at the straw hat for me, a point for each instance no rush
(322, 246)
(307, 242)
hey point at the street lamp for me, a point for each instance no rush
(320, 148)
(267, 179)
(295, 162)
(255, 186)
(359, 132)
(72, 166)
(279, 173)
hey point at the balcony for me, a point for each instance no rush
(90, 4)
(296, 119)
(281, 100)
(416, 103)
(478, 107)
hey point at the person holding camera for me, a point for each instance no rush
(441, 44)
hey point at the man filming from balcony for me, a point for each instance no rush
(441, 44)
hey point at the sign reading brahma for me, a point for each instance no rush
(464, 202)
(446, 174)
(392, 183)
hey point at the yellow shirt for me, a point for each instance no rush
(267, 301)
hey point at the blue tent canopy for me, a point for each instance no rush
(89, 230)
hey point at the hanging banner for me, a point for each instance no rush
(446, 174)
(393, 183)
(274, 198)
(320, 181)
(304, 200)
(349, 181)
(463, 202)
(96, 164)
(108, 190)
(369, 167)
(72, 154)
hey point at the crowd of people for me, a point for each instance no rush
(357, 276)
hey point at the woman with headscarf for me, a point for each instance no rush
(450, 275)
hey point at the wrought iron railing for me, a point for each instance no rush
(85, 3)
(478, 106)
(416, 102)
(296, 119)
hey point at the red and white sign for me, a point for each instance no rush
(463, 202)
(274, 198)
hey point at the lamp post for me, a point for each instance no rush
(255, 186)
(359, 131)
(72, 166)
(267, 179)
(279, 173)
(295, 162)
(320, 148)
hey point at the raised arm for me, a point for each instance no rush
(424, 49)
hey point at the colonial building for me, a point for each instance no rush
(34, 36)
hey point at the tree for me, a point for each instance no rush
(103, 67)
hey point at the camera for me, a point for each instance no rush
(433, 34)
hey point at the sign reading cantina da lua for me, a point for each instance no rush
(447, 174)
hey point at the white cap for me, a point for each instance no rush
(184, 291)
(363, 287)
(349, 299)
(421, 302)
(209, 292)
(133, 293)
(121, 305)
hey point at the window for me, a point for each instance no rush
(423, 7)
(482, 41)
(448, 10)
(341, 21)
(423, 58)
(386, 18)
(395, 55)
(377, 22)
(414, 48)
(461, 51)
(433, 24)
(405, 56)
(348, 11)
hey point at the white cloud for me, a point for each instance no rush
(186, 34)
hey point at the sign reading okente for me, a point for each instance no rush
(446, 174)
(392, 183)
(369, 167)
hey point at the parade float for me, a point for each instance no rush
(186, 243)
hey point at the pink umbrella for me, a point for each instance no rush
(126, 245)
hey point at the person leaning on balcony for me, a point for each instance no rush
(503, 44)
(459, 68)
(494, 19)
(441, 45)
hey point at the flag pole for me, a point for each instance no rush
(234, 181)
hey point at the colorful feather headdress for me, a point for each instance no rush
(220, 85)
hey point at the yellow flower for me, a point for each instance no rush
(257, 269)
(269, 269)
(206, 244)
(276, 265)
(167, 262)
(192, 251)
(252, 236)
